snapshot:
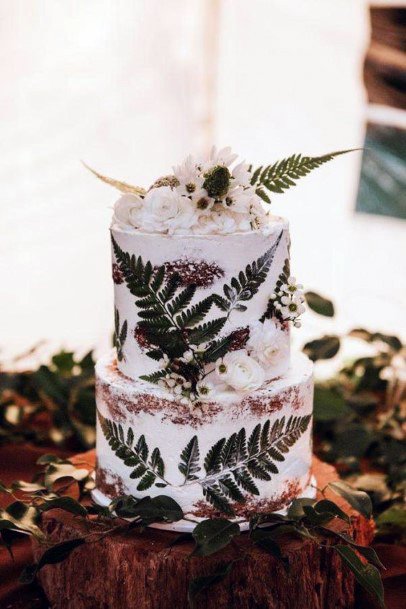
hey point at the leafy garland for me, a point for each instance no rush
(306, 518)
(231, 465)
(172, 325)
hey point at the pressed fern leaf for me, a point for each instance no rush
(120, 335)
(134, 455)
(189, 460)
(247, 284)
(242, 462)
(168, 319)
(284, 174)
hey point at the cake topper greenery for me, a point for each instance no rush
(210, 195)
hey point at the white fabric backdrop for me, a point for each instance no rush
(129, 87)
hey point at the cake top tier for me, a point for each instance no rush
(216, 194)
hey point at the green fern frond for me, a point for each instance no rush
(206, 331)
(247, 284)
(189, 465)
(149, 470)
(284, 174)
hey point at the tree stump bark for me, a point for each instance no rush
(142, 570)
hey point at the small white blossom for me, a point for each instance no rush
(205, 390)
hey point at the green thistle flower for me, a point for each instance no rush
(217, 181)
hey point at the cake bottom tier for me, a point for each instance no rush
(236, 459)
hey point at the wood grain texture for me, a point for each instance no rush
(142, 571)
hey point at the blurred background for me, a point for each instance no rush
(133, 87)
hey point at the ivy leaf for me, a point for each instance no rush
(319, 304)
(366, 575)
(213, 535)
(53, 555)
(322, 348)
(359, 500)
(204, 582)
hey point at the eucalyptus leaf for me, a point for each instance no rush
(366, 575)
(213, 535)
(68, 504)
(329, 405)
(53, 555)
(322, 348)
(295, 510)
(319, 304)
(358, 500)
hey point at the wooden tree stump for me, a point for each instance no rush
(141, 570)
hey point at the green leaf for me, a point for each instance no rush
(325, 506)
(296, 508)
(68, 504)
(319, 304)
(204, 582)
(322, 348)
(213, 535)
(206, 331)
(366, 575)
(213, 460)
(359, 500)
(196, 314)
(248, 282)
(328, 404)
(217, 349)
(189, 465)
(53, 555)
(158, 509)
(284, 174)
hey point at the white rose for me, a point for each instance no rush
(240, 371)
(127, 211)
(165, 210)
(269, 345)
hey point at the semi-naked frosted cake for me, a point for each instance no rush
(201, 399)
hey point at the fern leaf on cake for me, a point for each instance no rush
(284, 174)
(189, 460)
(246, 285)
(134, 454)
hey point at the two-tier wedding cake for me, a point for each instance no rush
(201, 399)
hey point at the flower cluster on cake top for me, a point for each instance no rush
(212, 195)
(207, 196)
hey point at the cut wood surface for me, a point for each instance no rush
(142, 570)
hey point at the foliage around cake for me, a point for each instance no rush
(210, 195)
(231, 465)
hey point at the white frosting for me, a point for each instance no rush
(156, 414)
(230, 254)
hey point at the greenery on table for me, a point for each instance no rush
(308, 519)
(359, 425)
